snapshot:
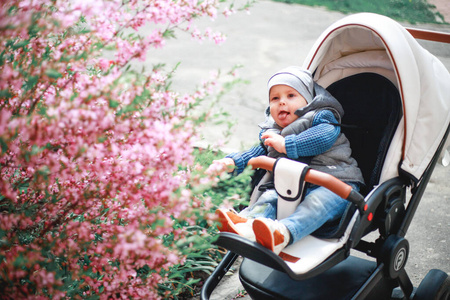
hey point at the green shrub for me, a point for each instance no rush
(412, 11)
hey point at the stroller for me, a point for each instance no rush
(396, 98)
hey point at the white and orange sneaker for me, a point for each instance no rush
(271, 234)
(230, 221)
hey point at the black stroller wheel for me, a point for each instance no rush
(435, 286)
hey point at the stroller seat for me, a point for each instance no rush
(372, 112)
(279, 285)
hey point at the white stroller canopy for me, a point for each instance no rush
(372, 43)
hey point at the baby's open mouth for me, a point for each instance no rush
(283, 115)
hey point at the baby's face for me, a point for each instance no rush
(284, 101)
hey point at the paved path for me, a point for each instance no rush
(273, 36)
(443, 7)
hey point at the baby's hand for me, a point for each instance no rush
(219, 166)
(275, 141)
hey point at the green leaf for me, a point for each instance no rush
(4, 94)
(102, 139)
(30, 83)
(113, 103)
(158, 223)
(19, 261)
(20, 44)
(169, 33)
(53, 74)
(36, 150)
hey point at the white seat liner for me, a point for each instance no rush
(312, 251)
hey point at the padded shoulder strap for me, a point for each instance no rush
(289, 183)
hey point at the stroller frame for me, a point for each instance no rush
(265, 275)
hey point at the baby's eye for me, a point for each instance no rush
(274, 99)
(291, 95)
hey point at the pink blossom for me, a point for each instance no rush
(104, 64)
(228, 12)
(90, 153)
(5, 116)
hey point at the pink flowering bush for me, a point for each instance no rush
(96, 160)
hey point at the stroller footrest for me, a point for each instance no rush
(309, 253)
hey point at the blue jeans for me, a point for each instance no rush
(319, 206)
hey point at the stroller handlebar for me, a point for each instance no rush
(328, 181)
(262, 162)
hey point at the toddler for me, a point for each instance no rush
(302, 123)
